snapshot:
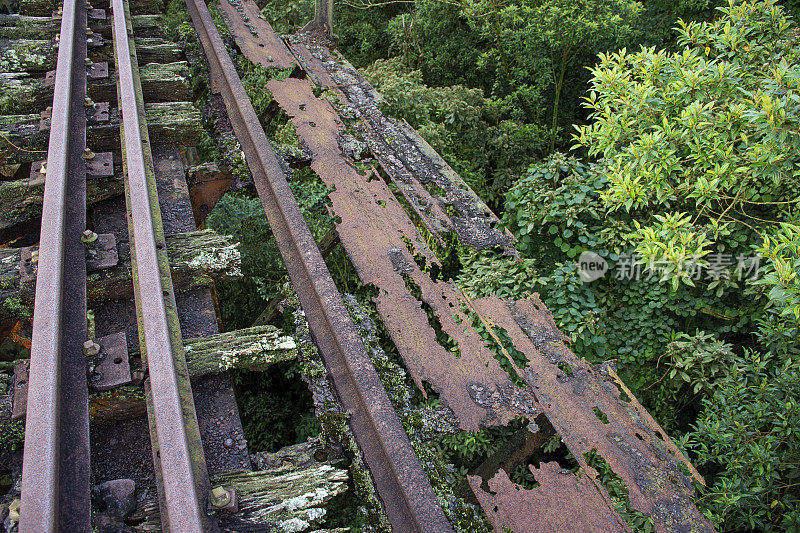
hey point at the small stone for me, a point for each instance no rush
(228, 442)
(118, 495)
(241, 446)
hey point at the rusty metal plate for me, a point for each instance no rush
(100, 166)
(254, 36)
(473, 385)
(384, 246)
(409, 161)
(627, 438)
(98, 70)
(98, 113)
(110, 368)
(20, 382)
(374, 231)
(102, 253)
(96, 14)
(561, 502)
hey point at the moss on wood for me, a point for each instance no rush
(22, 141)
(197, 259)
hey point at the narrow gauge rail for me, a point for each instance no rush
(405, 491)
(56, 474)
(56, 463)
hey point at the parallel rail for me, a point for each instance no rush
(56, 473)
(404, 489)
(56, 464)
(175, 436)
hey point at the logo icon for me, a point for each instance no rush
(591, 266)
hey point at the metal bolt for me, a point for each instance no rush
(88, 236)
(90, 348)
(34, 256)
(88, 154)
(88, 102)
(88, 30)
(43, 169)
(220, 496)
(137, 377)
(87, 62)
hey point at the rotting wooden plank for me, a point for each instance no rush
(21, 204)
(197, 259)
(15, 26)
(39, 55)
(288, 500)
(22, 93)
(23, 142)
(45, 8)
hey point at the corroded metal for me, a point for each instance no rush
(390, 254)
(561, 502)
(382, 243)
(175, 436)
(585, 407)
(426, 181)
(405, 492)
(55, 472)
(251, 32)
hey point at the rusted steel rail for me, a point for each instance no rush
(56, 476)
(406, 494)
(178, 457)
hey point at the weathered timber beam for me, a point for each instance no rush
(21, 204)
(17, 26)
(247, 349)
(21, 140)
(289, 501)
(45, 8)
(39, 55)
(197, 259)
(22, 93)
(33, 55)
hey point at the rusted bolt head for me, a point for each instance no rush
(88, 30)
(137, 377)
(88, 102)
(88, 154)
(35, 256)
(87, 62)
(220, 496)
(90, 348)
(43, 169)
(88, 236)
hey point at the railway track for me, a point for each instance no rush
(203, 478)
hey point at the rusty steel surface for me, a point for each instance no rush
(406, 494)
(55, 475)
(561, 502)
(251, 34)
(426, 181)
(585, 406)
(377, 234)
(389, 253)
(175, 437)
